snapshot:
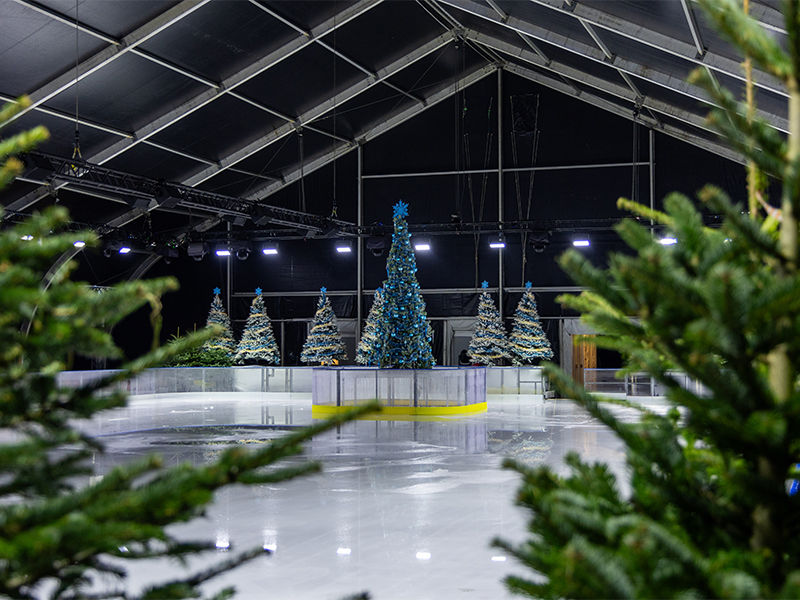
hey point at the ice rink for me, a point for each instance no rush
(402, 509)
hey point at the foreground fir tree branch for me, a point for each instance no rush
(708, 513)
(58, 535)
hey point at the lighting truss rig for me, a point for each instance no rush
(150, 194)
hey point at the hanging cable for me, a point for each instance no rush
(533, 132)
(635, 160)
(76, 147)
(334, 206)
(302, 190)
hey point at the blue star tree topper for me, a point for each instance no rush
(258, 291)
(217, 291)
(484, 284)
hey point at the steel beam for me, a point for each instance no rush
(604, 104)
(650, 37)
(598, 83)
(391, 121)
(643, 71)
(321, 109)
(234, 81)
(110, 53)
(693, 28)
(193, 104)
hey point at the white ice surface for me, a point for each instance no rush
(403, 509)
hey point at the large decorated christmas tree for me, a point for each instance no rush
(324, 344)
(489, 344)
(369, 348)
(258, 344)
(408, 334)
(217, 316)
(528, 342)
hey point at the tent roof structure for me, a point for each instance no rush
(207, 95)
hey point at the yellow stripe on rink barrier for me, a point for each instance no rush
(323, 411)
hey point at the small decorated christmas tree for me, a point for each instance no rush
(489, 344)
(528, 341)
(258, 344)
(408, 334)
(324, 344)
(217, 316)
(369, 348)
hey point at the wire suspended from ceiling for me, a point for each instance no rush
(525, 124)
(334, 206)
(76, 147)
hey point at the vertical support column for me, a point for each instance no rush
(652, 155)
(228, 274)
(283, 339)
(500, 188)
(360, 247)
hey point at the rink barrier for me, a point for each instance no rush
(438, 391)
(176, 380)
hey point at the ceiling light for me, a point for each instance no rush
(79, 243)
(422, 245)
(344, 551)
(422, 555)
(343, 247)
(498, 241)
(667, 241)
(269, 249)
(581, 243)
(124, 249)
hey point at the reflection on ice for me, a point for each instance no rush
(404, 509)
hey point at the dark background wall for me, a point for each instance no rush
(451, 135)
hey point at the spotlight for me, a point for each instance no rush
(344, 247)
(498, 241)
(124, 249)
(197, 250)
(422, 245)
(241, 249)
(270, 249)
(222, 252)
(79, 243)
(581, 243)
(667, 241)
(376, 245)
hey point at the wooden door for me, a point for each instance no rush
(584, 356)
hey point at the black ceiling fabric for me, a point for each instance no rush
(209, 95)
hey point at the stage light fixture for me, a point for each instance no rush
(28, 237)
(667, 241)
(242, 250)
(581, 243)
(79, 243)
(344, 246)
(269, 249)
(197, 250)
(124, 249)
(222, 252)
